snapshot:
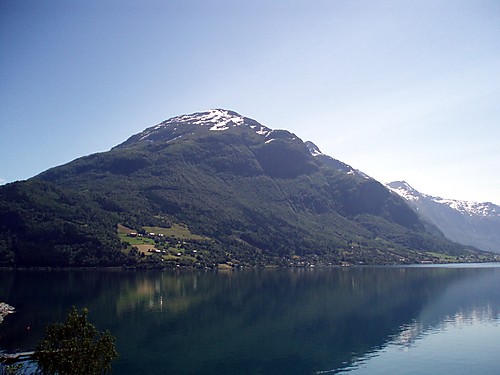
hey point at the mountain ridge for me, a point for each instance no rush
(486, 209)
(467, 222)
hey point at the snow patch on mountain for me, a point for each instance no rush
(218, 118)
(313, 149)
(470, 208)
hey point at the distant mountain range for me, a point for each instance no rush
(213, 189)
(470, 223)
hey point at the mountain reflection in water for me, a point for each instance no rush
(298, 321)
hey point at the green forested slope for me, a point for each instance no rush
(258, 201)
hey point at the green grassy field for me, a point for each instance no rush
(177, 231)
(444, 257)
(134, 241)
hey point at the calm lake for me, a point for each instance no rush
(369, 320)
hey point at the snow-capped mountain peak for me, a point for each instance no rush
(212, 120)
(466, 222)
(217, 119)
(404, 189)
(484, 209)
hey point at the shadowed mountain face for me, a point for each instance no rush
(257, 196)
(470, 223)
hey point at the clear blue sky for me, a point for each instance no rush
(398, 89)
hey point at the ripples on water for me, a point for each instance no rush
(466, 342)
(455, 347)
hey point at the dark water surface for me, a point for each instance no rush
(374, 320)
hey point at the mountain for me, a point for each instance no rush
(212, 189)
(469, 223)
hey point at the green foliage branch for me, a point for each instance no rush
(75, 347)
